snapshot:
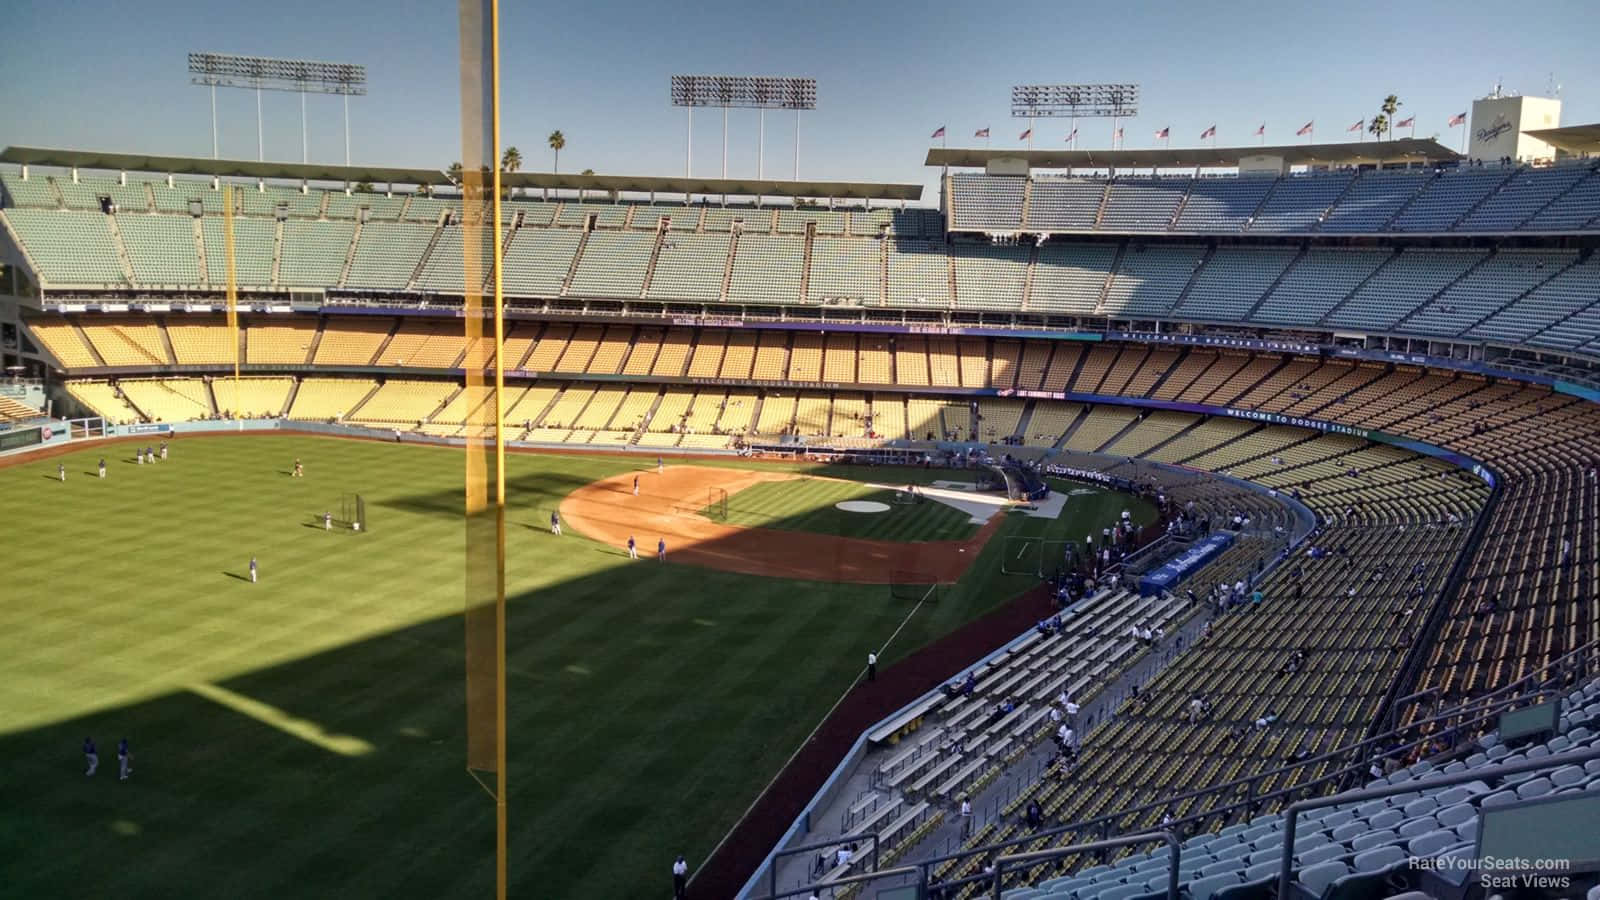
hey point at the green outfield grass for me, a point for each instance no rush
(808, 505)
(302, 737)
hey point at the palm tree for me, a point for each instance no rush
(1391, 105)
(511, 161)
(454, 173)
(1379, 123)
(587, 172)
(362, 187)
(558, 142)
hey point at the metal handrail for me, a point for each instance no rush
(1292, 814)
(772, 867)
(922, 884)
(1174, 847)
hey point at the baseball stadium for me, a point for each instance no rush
(1206, 522)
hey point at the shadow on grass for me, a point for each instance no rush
(237, 575)
(541, 488)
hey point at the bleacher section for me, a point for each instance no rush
(1256, 285)
(1474, 199)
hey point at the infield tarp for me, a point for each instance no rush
(1177, 568)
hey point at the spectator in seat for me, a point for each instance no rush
(1035, 815)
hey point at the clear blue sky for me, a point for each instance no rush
(96, 74)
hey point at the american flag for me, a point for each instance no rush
(1262, 130)
(981, 132)
(1165, 132)
(1209, 132)
(1458, 119)
(1025, 135)
(1073, 136)
(1306, 128)
(939, 132)
(1357, 126)
(1406, 123)
(1119, 134)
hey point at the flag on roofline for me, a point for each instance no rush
(1119, 132)
(1306, 129)
(1165, 132)
(1025, 135)
(1261, 131)
(939, 132)
(1357, 126)
(1209, 132)
(1406, 123)
(1073, 136)
(1458, 119)
(981, 132)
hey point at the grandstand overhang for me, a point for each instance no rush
(1402, 150)
(609, 184)
(1578, 140)
(739, 187)
(219, 168)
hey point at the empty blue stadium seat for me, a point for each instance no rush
(1205, 888)
(1316, 879)
(1431, 843)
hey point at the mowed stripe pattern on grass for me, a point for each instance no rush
(648, 703)
(808, 504)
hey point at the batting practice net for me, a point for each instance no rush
(353, 512)
(1036, 556)
(717, 504)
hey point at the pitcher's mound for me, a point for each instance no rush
(862, 506)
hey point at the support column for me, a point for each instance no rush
(213, 121)
(260, 143)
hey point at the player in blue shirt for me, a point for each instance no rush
(633, 549)
(555, 522)
(660, 466)
(124, 760)
(252, 570)
(90, 755)
(661, 549)
(163, 449)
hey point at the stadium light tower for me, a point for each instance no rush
(1113, 101)
(761, 92)
(300, 76)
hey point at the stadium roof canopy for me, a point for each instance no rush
(1363, 153)
(1574, 139)
(235, 168)
(222, 168)
(751, 187)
